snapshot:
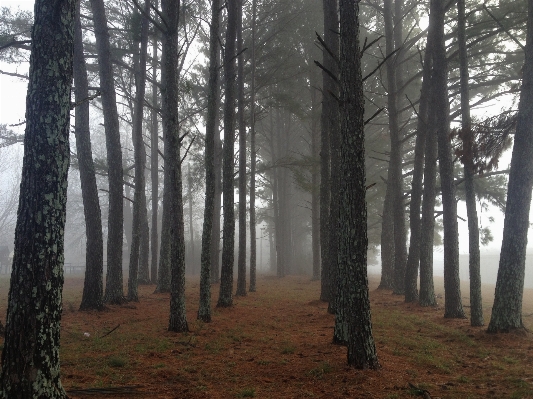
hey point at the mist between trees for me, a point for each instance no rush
(255, 137)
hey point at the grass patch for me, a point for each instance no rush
(116, 362)
(319, 372)
(246, 393)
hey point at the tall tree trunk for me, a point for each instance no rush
(154, 164)
(169, 81)
(241, 261)
(30, 356)
(215, 241)
(114, 293)
(427, 291)
(191, 224)
(163, 273)
(507, 308)
(315, 176)
(139, 203)
(415, 222)
(330, 8)
(453, 307)
(476, 305)
(331, 39)
(353, 241)
(394, 179)
(253, 160)
(93, 289)
(225, 298)
(387, 242)
(204, 310)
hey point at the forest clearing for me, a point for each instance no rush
(276, 343)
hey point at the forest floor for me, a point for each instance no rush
(276, 343)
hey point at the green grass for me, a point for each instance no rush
(116, 362)
(246, 393)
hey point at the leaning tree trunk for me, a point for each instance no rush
(507, 308)
(93, 285)
(139, 202)
(241, 261)
(453, 307)
(30, 356)
(225, 298)
(170, 81)
(204, 310)
(114, 293)
(353, 241)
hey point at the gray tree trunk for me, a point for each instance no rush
(30, 356)
(507, 308)
(353, 241)
(476, 305)
(114, 292)
(139, 202)
(394, 179)
(253, 160)
(93, 285)
(453, 307)
(330, 27)
(204, 310)
(225, 298)
(241, 261)
(154, 165)
(169, 81)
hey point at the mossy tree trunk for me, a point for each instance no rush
(353, 241)
(30, 356)
(93, 285)
(507, 308)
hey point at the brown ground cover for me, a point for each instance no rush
(276, 343)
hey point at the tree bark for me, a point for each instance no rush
(204, 310)
(226, 281)
(241, 261)
(353, 241)
(154, 164)
(453, 307)
(476, 305)
(330, 26)
(93, 285)
(114, 293)
(507, 308)
(253, 160)
(169, 81)
(139, 202)
(393, 38)
(30, 356)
